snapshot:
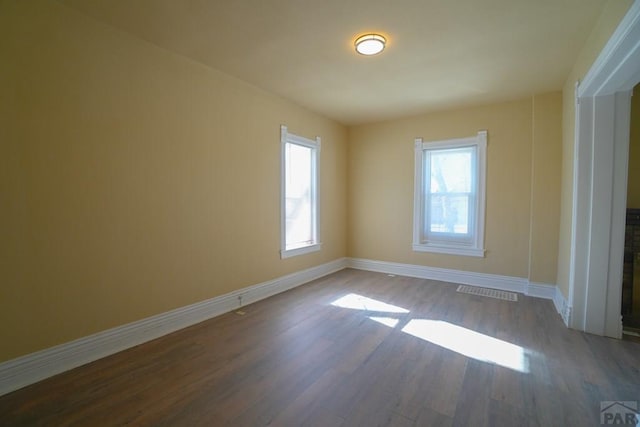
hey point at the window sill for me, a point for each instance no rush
(449, 250)
(288, 253)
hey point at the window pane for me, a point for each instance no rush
(298, 203)
(451, 170)
(449, 214)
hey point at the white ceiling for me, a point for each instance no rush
(441, 53)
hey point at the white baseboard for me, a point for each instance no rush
(494, 281)
(542, 290)
(34, 367)
(562, 306)
(505, 283)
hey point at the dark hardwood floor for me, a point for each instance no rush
(296, 359)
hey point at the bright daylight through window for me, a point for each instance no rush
(299, 204)
(449, 200)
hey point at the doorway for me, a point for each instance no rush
(600, 182)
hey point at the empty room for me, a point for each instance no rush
(319, 213)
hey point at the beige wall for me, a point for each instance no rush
(612, 14)
(134, 181)
(633, 187)
(521, 135)
(545, 190)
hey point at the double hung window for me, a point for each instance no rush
(299, 188)
(449, 198)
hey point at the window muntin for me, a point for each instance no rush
(449, 196)
(299, 222)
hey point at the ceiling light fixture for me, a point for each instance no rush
(370, 44)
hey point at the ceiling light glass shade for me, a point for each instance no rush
(370, 44)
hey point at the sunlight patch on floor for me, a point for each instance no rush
(466, 342)
(469, 343)
(359, 302)
(387, 321)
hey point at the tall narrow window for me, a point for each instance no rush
(299, 217)
(449, 200)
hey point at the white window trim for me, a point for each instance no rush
(476, 248)
(286, 137)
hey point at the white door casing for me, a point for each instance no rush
(600, 181)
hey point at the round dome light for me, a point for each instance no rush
(370, 44)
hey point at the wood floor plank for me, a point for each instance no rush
(474, 400)
(507, 387)
(300, 410)
(299, 359)
(430, 418)
(502, 413)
